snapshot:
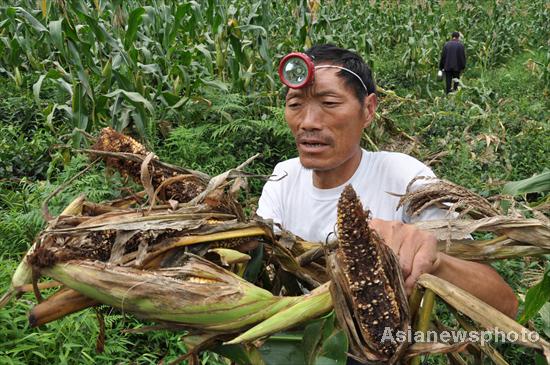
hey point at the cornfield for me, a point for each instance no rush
(123, 63)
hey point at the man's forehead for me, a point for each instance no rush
(315, 91)
(326, 82)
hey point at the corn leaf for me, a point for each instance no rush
(134, 20)
(536, 297)
(535, 184)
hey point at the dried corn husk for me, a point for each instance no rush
(197, 294)
(23, 273)
(526, 230)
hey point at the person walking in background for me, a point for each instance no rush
(452, 61)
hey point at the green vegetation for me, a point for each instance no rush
(197, 82)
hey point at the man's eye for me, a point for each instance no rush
(330, 104)
(293, 105)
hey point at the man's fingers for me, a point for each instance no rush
(387, 230)
(417, 256)
(406, 260)
(425, 261)
(419, 268)
(405, 235)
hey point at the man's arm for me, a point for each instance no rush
(480, 280)
(417, 253)
(463, 57)
(442, 58)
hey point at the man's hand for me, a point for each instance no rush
(415, 249)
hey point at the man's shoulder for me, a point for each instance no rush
(288, 166)
(393, 157)
(454, 44)
(398, 164)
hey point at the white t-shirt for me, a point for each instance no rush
(310, 212)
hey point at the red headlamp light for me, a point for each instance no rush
(297, 70)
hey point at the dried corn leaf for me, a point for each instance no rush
(447, 195)
(482, 313)
(421, 348)
(475, 250)
(217, 181)
(531, 231)
(188, 218)
(309, 274)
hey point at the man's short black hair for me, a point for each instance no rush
(330, 54)
(455, 35)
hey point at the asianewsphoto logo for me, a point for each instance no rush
(458, 336)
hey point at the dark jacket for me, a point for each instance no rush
(453, 57)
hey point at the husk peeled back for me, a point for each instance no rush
(198, 294)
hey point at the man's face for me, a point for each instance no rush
(327, 121)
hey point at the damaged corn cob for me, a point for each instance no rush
(367, 287)
(197, 294)
(171, 184)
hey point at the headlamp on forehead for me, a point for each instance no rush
(297, 70)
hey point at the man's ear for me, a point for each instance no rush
(369, 109)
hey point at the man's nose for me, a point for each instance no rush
(312, 117)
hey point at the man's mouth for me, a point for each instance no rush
(312, 145)
(313, 140)
(308, 142)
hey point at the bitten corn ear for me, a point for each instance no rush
(367, 286)
(170, 183)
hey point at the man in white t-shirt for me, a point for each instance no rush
(327, 111)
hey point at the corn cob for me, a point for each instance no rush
(172, 186)
(197, 294)
(367, 287)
